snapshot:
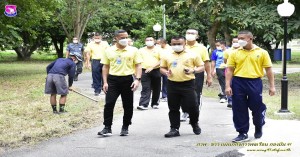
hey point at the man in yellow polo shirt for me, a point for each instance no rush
(192, 45)
(95, 51)
(245, 70)
(180, 67)
(119, 64)
(151, 80)
(234, 45)
(165, 50)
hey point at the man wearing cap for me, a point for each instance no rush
(56, 83)
(77, 49)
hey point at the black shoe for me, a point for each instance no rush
(97, 94)
(173, 133)
(229, 105)
(105, 132)
(241, 138)
(124, 131)
(258, 132)
(196, 129)
(55, 112)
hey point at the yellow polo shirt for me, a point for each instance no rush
(249, 63)
(199, 49)
(227, 52)
(121, 61)
(97, 50)
(165, 51)
(150, 56)
(177, 62)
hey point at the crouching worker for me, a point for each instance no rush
(56, 83)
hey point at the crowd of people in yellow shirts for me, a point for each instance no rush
(178, 71)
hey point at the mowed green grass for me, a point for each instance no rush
(25, 113)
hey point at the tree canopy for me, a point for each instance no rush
(40, 24)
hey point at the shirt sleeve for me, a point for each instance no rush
(204, 54)
(137, 57)
(68, 48)
(104, 59)
(198, 61)
(230, 60)
(164, 63)
(226, 54)
(214, 55)
(266, 60)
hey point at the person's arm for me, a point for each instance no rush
(228, 78)
(105, 71)
(136, 82)
(270, 75)
(213, 65)
(88, 58)
(207, 67)
(71, 73)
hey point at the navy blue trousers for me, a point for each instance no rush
(97, 75)
(247, 93)
(164, 92)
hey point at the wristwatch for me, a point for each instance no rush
(139, 79)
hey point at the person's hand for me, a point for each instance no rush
(135, 84)
(71, 88)
(272, 91)
(148, 70)
(105, 87)
(188, 71)
(209, 80)
(228, 91)
(168, 73)
(213, 74)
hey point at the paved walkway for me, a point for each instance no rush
(147, 136)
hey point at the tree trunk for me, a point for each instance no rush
(227, 35)
(212, 33)
(59, 48)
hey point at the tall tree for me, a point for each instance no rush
(75, 14)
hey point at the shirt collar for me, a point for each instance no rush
(195, 45)
(254, 48)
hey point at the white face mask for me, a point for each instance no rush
(235, 45)
(97, 40)
(178, 48)
(123, 42)
(242, 43)
(150, 43)
(190, 37)
(75, 41)
(219, 48)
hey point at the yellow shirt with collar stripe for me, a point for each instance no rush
(150, 56)
(249, 63)
(178, 62)
(199, 49)
(121, 61)
(97, 50)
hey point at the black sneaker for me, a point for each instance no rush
(229, 105)
(173, 133)
(55, 112)
(196, 129)
(105, 132)
(124, 131)
(258, 132)
(97, 94)
(241, 138)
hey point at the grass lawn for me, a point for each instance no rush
(25, 114)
